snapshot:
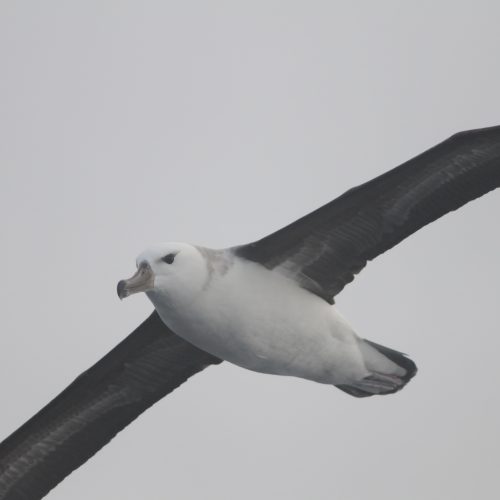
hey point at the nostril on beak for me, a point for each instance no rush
(121, 290)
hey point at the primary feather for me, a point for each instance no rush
(150, 363)
(326, 248)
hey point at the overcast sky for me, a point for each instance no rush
(125, 123)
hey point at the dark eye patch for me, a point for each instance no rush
(169, 258)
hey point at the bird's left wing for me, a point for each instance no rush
(151, 362)
(325, 249)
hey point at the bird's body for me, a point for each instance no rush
(259, 319)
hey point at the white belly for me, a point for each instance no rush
(265, 322)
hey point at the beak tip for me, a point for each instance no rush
(121, 289)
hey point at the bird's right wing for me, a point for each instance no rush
(151, 362)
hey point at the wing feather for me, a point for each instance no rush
(151, 362)
(324, 250)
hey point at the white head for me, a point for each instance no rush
(167, 272)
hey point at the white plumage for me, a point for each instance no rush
(261, 319)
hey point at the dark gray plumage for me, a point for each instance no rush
(150, 363)
(326, 248)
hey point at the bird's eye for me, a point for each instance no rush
(169, 258)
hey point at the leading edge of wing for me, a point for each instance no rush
(324, 249)
(151, 362)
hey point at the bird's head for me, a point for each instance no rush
(167, 271)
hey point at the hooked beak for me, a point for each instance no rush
(142, 281)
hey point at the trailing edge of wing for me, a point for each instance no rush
(325, 249)
(151, 362)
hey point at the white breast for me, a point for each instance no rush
(261, 320)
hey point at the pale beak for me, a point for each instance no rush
(142, 281)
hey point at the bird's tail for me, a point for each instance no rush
(390, 371)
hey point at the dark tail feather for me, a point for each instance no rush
(380, 382)
(400, 358)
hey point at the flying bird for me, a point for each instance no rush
(267, 306)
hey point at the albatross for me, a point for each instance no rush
(267, 306)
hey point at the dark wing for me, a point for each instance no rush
(151, 362)
(325, 249)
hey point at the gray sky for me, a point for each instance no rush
(125, 123)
